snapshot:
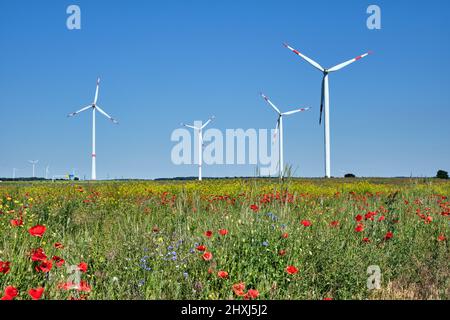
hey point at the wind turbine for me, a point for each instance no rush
(280, 127)
(46, 172)
(33, 163)
(200, 143)
(94, 108)
(14, 173)
(325, 99)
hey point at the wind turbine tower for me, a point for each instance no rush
(33, 163)
(200, 143)
(325, 98)
(94, 108)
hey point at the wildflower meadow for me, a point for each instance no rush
(225, 239)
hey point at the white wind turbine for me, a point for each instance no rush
(47, 172)
(14, 172)
(200, 143)
(325, 99)
(33, 163)
(280, 127)
(94, 108)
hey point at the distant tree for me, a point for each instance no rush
(349, 175)
(441, 174)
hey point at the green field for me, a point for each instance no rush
(224, 239)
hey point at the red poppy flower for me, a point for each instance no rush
(201, 248)
(239, 288)
(5, 267)
(67, 286)
(58, 245)
(36, 294)
(45, 266)
(84, 286)
(334, 223)
(366, 240)
(83, 266)
(388, 235)
(59, 261)
(358, 218)
(369, 215)
(441, 237)
(222, 274)
(381, 218)
(282, 252)
(291, 270)
(11, 292)
(285, 235)
(223, 232)
(6, 298)
(207, 256)
(208, 233)
(327, 298)
(16, 222)
(306, 223)
(359, 228)
(38, 255)
(254, 207)
(37, 231)
(253, 293)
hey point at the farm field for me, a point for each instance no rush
(225, 239)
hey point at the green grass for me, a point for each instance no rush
(127, 233)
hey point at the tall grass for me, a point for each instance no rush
(139, 238)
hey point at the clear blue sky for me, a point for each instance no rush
(164, 62)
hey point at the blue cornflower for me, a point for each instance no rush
(143, 264)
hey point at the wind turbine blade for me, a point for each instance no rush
(311, 61)
(189, 126)
(105, 114)
(322, 98)
(270, 103)
(346, 63)
(207, 122)
(276, 131)
(77, 112)
(294, 111)
(96, 90)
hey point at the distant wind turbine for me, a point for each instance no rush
(94, 108)
(14, 173)
(280, 127)
(200, 143)
(33, 163)
(46, 171)
(325, 99)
